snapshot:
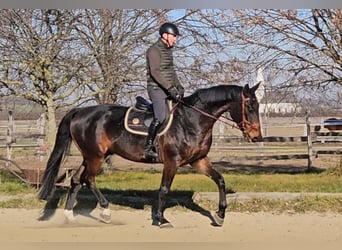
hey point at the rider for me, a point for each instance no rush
(162, 81)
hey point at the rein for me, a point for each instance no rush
(243, 123)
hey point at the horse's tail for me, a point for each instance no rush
(61, 148)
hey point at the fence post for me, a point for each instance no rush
(9, 138)
(40, 140)
(309, 139)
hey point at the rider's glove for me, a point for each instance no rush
(174, 93)
(180, 90)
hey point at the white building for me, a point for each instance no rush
(275, 102)
(279, 108)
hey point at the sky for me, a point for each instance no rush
(174, 4)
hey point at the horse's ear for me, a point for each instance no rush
(246, 90)
(255, 87)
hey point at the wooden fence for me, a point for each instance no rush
(300, 142)
(21, 134)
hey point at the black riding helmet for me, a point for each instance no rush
(169, 28)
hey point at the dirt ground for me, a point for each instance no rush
(241, 230)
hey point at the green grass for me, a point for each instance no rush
(284, 183)
(14, 188)
(144, 184)
(141, 180)
(9, 184)
(238, 182)
(300, 205)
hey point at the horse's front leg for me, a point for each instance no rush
(167, 178)
(203, 165)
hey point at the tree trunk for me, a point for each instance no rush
(51, 127)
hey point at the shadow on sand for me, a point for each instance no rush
(135, 199)
(138, 199)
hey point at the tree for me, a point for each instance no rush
(41, 60)
(117, 40)
(59, 58)
(114, 39)
(301, 49)
(207, 55)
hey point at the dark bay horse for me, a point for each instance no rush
(98, 131)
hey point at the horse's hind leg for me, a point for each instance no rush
(203, 165)
(95, 166)
(105, 215)
(76, 185)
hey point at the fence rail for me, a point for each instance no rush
(291, 141)
(304, 143)
(21, 134)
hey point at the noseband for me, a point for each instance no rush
(243, 124)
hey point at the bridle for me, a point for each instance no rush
(244, 121)
(224, 119)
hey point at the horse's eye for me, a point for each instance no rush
(249, 106)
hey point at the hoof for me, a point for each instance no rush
(69, 215)
(218, 221)
(165, 225)
(162, 223)
(105, 216)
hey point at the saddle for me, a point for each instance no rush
(139, 117)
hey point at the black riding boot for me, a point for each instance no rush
(150, 150)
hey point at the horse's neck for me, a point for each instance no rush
(222, 103)
(205, 115)
(216, 109)
(213, 102)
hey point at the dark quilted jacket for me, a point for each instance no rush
(160, 71)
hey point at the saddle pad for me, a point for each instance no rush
(138, 121)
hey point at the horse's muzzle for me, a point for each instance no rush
(252, 132)
(253, 138)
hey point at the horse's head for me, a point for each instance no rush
(246, 114)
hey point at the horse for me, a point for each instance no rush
(98, 132)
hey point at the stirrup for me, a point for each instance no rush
(149, 153)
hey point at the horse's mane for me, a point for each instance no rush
(215, 94)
